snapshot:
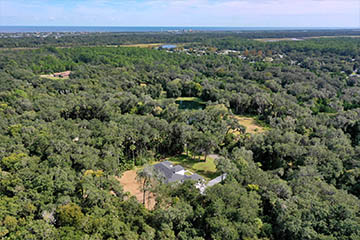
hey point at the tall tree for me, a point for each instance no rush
(145, 177)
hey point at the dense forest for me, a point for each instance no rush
(63, 141)
(13, 40)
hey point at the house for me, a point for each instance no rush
(174, 173)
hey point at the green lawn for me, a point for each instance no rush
(190, 99)
(206, 169)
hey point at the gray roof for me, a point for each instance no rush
(166, 163)
(178, 168)
(195, 177)
(168, 171)
(165, 169)
(175, 178)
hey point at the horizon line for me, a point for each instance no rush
(195, 26)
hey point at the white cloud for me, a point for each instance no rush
(339, 13)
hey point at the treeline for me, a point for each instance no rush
(344, 46)
(95, 39)
(63, 141)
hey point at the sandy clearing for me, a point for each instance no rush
(250, 124)
(130, 184)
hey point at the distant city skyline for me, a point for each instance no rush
(231, 13)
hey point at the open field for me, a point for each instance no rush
(58, 75)
(250, 123)
(140, 45)
(49, 76)
(131, 185)
(190, 99)
(278, 39)
(149, 45)
(206, 169)
(349, 36)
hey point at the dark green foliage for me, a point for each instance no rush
(63, 140)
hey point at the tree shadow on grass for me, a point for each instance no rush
(195, 165)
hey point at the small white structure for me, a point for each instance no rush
(179, 170)
(216, 180)
(202, 186)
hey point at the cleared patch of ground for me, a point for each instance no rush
(250, 123)
(196, 164)
(190, 99)
(206, 169)
(278, 39)
(58, 76)
(131, 185)
(193, 99)
(49, 76)
(349, 36)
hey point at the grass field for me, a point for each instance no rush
(252, 126)
(206, 169)
(277, 39)
(190, 99)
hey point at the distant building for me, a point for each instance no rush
(174, 173)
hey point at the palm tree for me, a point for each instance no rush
(145, 177)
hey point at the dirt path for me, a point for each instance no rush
(130, 184)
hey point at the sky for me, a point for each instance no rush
(230, 13)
